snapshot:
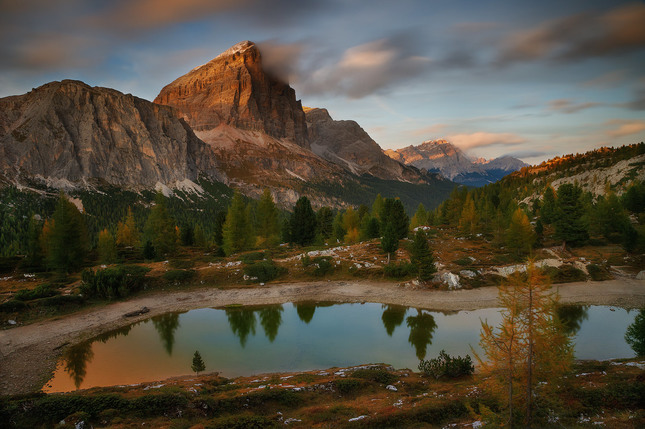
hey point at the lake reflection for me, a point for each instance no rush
(304, 336)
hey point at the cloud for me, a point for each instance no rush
(528, 153)
(625, 127)
(607, 80)
(485, 139)
(575, 37)
(281, 59)
(567, 106)
(638, 99)
(367, 69)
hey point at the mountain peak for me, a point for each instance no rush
(233, 89)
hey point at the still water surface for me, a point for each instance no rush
(299, 337)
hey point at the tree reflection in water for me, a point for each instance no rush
(572, 316)
(76, 359)
(242, 322)
(271, 319)
(166, 325)
(635, 335)
(422, 327)
(305, 311)
(393, 316)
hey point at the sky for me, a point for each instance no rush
(530, 79)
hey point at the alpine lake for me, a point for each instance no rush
(241, 341)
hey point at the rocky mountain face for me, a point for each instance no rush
(233, 89)
(68, 132)
(443, 157)
(345, 143)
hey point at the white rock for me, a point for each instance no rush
(452, 280)
(11, 322)
(641, 275)
(469, 274)
(392, 388)
(355, 419)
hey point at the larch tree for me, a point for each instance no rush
(127, 234)
(106, 247)
(268, 220)
(529, 351)
(351, 223)
(420, 217)
(236, 231)
(160, 229)
(520, 236)
(469, 219)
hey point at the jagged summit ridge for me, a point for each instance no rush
(233, 89)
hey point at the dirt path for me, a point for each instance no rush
(28, 354)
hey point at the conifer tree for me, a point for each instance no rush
(35, 255)
(198, 363)
(236, 232)
(528, 348)
(548, 208)
(350, 224)
(268, 221)
(220, 219)
(390, 240)
(421, 256)
(106, 247)
(569, 222)
(369, 228)
(338, 228)
(520, 236)
(160, 229)
(325, 222)
(394, 214)
(303, 222)
(377, 207)
(200, 238)
(127, 234)
(67, 243)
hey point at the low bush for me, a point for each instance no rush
(348, 385)
(61, 301)
(12, 306)
(378, 375)
(182, 264)
(264, 271)
(464, 262)
(179, 276)
(565, 274)
(324, 265)
(447, 366)
(598, 273)
(44, 290)
(114, 282)
(397, 271)
(252, 257)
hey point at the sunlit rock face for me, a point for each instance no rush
(68, 133)
(233, 89)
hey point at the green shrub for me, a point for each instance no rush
(41, 291)
(252, 257)
(464, 262)
(61, 301)
(598, 273)
(182, 264)
(565, 274)
(264, 271)
(347, 385)
(12, 306)
(397, 271)
(114, 282)
(378, 375)
(447, 366)
(324, 265)
(179, 276)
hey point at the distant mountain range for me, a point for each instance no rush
(225, 121)
(441, 156)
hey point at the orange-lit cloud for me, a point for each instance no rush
(567, 106)
(482, 139)
(625, 127)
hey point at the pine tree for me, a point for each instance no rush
(236, 232)
(548, 209)
(635, 335)
(528, 348)
(35, 257)
(520, 236)
(106, 247)
(127, 234)
(569, 222)
(268, 221)
(198, 363)
(394, 214)
(67, 243)
(338, 228)
(325, 222)
(390, 240)
(303, 222)
(377, 207)
(369, 228)
(160, 229)
(421, 256)
(200, 238)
